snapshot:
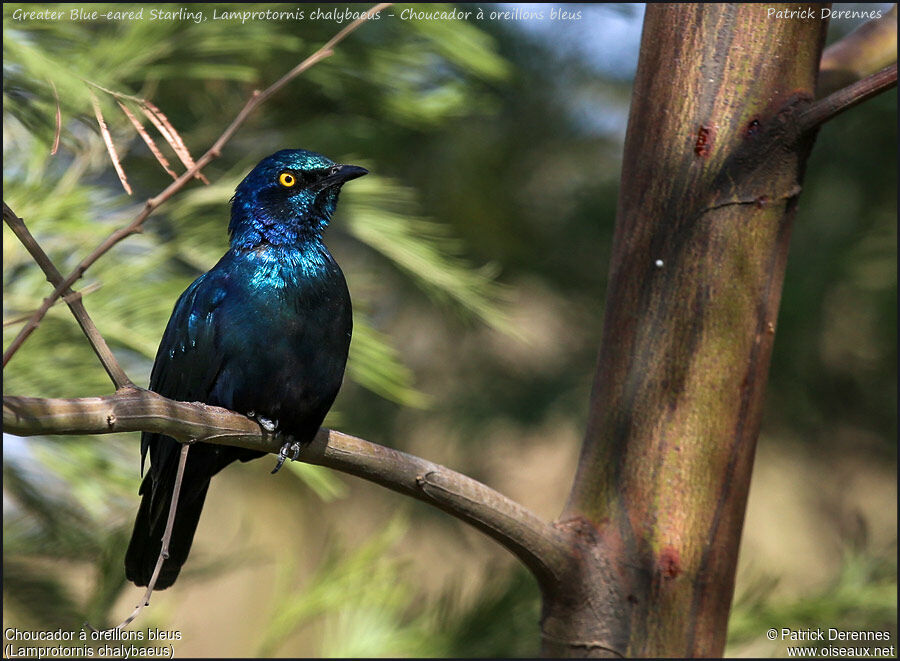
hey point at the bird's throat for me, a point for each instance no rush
(281, 267)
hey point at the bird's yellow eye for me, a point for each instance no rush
(286, 179)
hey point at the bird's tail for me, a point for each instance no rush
(150, 525)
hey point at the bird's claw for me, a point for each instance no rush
(289, 446)
(268, 425)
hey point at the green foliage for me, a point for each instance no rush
(386, 616)
(375, 364)
(367, 624)
(863, 597)
(381, 214)
(54, 519)
(500, 624)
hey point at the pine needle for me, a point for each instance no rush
(164, 126)
(136, 123)
(58, 121)
(110, 147)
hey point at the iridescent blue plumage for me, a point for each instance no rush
(266, 330)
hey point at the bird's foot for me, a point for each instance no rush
(290, 446)
(266, 423)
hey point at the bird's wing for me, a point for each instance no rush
(189, 356)
(188, 365)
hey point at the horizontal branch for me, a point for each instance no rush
(538, 544)
(834, 104)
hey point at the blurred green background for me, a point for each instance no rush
(476, 255)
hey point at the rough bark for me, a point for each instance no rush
(714, 159)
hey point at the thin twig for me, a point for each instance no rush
(110, 147)
(539, 545)
(117, 95)
(153, 203)
(322, 53)
(72, 298)
(81, 293)
(834, 104)
(164, 550)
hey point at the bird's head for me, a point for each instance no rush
(288, 198)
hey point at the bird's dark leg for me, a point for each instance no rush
(290, 445)
(266, 423)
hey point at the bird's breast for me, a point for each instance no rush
(289, 335)
(271, 268)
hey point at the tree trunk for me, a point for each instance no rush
(714, 158)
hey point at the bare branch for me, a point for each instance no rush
(322, 53)
(72, 298)
(538, 544)
(834, 104)
(65, 299)
(256, 99)
(864, 51)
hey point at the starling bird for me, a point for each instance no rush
(265, 332)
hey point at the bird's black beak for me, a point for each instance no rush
(341, 174)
